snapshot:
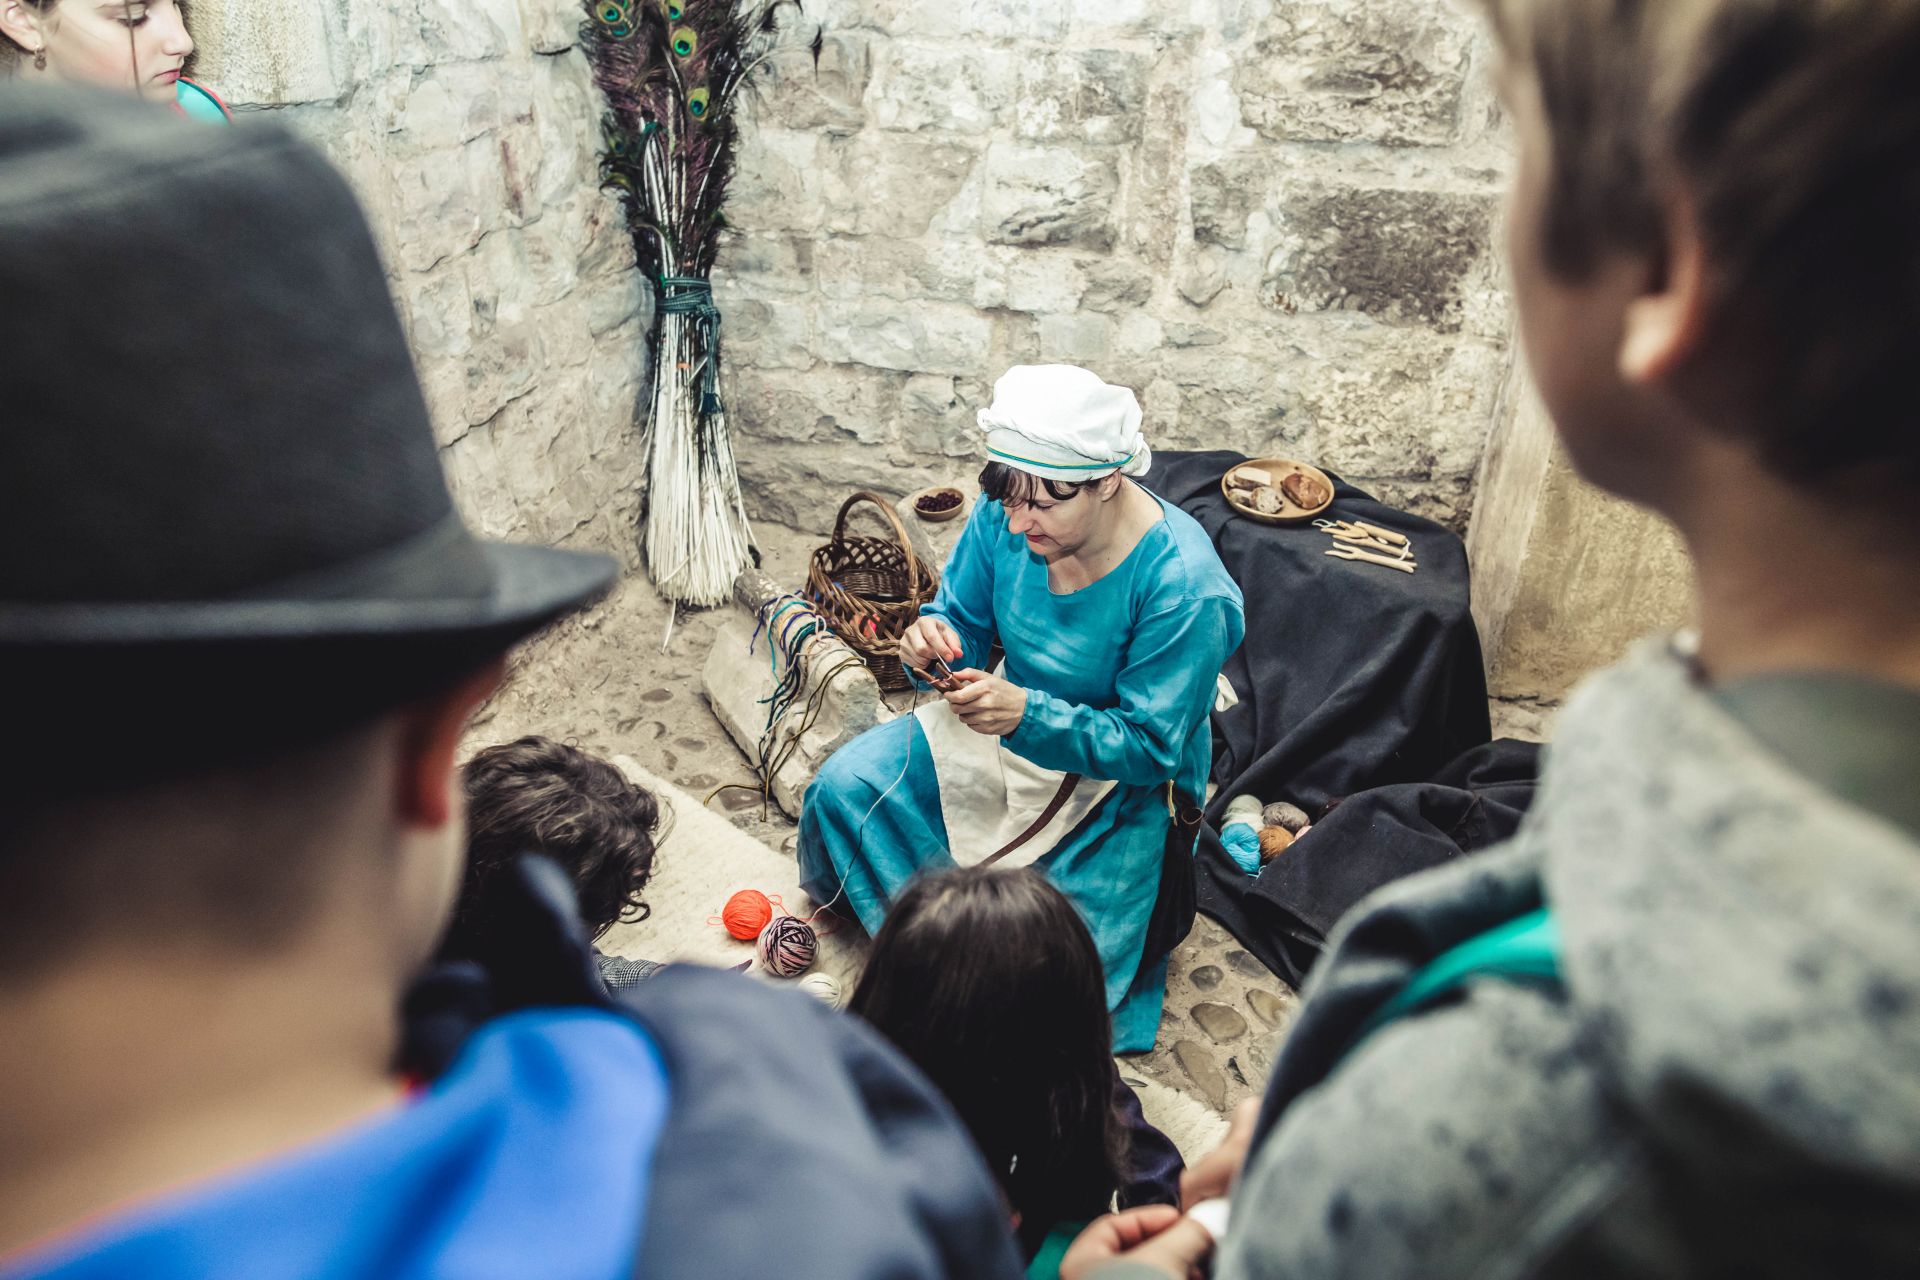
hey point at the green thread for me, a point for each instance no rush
(1062, 466)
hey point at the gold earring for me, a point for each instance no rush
(40, 58)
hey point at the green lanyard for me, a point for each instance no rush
(1525, 950)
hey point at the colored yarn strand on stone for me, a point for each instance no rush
(787, 946)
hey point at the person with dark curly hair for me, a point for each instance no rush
(535, 795)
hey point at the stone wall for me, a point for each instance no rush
(468, 130)
(1275, 220)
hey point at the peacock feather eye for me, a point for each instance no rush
(674, 12)
(685, 41)
(697, 103)
(615, 18)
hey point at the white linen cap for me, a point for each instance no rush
(1061, 422)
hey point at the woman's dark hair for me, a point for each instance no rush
(1005, 484)
(536, 795)
(989, 981)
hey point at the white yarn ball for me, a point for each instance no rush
(822, 988)
(1244, 808)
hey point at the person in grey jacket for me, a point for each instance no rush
(1673, 1028)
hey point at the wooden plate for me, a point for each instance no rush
(1279, 469)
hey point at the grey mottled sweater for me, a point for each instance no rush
(1729, 1086)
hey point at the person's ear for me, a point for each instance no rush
(21, 25)
(1665, 326)
(430, 736)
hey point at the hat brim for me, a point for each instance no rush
(532, 586)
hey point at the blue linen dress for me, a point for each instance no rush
(1120, 678)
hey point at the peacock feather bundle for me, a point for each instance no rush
(674, 73)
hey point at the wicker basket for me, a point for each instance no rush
(869, 589)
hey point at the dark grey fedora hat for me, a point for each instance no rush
(211, 433)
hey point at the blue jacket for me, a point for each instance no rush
(708, 1126)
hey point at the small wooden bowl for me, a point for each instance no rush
(1279, 469)
(939, 517)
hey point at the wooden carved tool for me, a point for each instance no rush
(1384, 535)
(1348, 552)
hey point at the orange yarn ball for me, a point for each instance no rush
(746, 914)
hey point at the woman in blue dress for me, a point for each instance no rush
(1115, 616)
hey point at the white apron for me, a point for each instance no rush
(1000, 807)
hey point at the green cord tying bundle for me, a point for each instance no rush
(692, 296)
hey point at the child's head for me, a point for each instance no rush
(536, 795)
(1715, 233)
(989, 981)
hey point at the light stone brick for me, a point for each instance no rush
(1050, 195)
(1042, 280)
(771, 333)
(800, 91)
(953, 86)
(1090, 95)
(893, 185)
(932, 338)
(1040, 20)
(1077, 339)
(1379, 71)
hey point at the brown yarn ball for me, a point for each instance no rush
(1273, 840)
(1282, 814)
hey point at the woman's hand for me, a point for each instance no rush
(987, 704)
(926, 639)
(1155, 1235)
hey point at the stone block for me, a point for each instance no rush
(737, 677)
(829, 407)
(443, 202)
(778, 184)
(933, 338)
(1050, 195)
(1040, 20)
(800, 91)
(478, 482)
(430, 32)
(262, 54)
(1416, 408)
(941, 270)
(551, 26)
(1138, 334)
(893, 185)
(802, 485)
(442, 106)
(1377, 71)
(1117, 284)
(1223, 194)
(1201, 278)
(1041, 280)
(564, 102)
(1083, 338)
(439, 312)
(1086, 95)
(958, 88)
(935, 420)
(775, 263)
(606, 246)
(771, 333)
(550, 255)
(1397, 256)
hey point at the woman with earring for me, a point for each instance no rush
(140, 45)
(1115, 616)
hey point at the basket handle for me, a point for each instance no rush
(899, 530)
